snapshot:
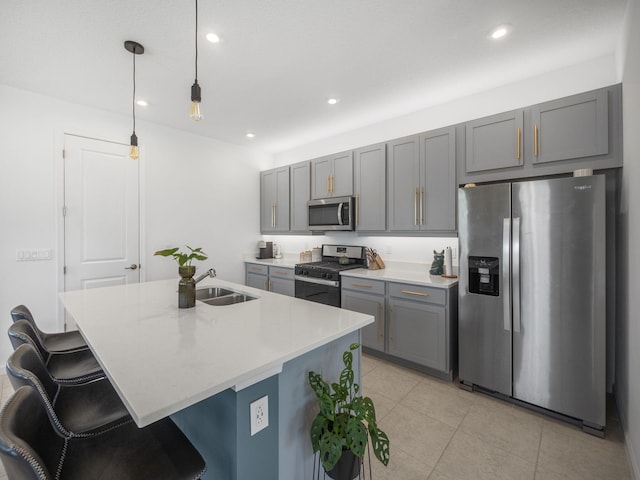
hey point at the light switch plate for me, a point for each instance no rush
(259, 411)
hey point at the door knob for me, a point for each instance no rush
(133, 266)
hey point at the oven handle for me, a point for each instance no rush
(319, 281)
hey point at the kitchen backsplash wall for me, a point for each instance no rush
(399, 249)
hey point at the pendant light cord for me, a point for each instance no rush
(196, 41)
(133, 101)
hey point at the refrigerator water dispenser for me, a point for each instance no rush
(484, 275)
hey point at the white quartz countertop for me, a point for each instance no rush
(417, 274)
(288, 260)
(162, 359)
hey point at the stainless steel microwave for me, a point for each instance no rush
(331, 214)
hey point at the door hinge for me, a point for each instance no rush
(64, 211)
(64, 153)
(64, 270)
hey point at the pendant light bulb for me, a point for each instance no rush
(196, 96)
(134, 151)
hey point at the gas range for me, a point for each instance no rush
(320, 281)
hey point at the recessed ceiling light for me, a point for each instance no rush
(212, 37)
(250, 134)
(499, 32)
(142, 103)
(332, 101)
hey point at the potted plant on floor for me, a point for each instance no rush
(186, 285)
(342, 428)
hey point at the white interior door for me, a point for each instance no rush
(101, 222)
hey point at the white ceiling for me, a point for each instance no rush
(279, 60)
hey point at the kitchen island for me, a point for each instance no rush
(204, 366)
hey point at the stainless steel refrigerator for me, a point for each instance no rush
(532, 293)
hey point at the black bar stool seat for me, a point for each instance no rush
(32, 448)
(77, 410)
(54, 342)
(68, 368)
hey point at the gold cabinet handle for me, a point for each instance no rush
(331, 183)
(519, 140)
(362, 285)
(409, 292)
(535, 140)
(389, 324)
(415, 207)
(256, 269)
(280, 273)
(379, 321)
(421, 205)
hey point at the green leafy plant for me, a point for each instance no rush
(341, 420)
(183, 259)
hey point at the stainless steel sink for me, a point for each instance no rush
(211, 292)
(219, 296)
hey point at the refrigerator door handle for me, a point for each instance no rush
(506, 267)
(516, 275)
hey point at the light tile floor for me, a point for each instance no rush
(440, 432)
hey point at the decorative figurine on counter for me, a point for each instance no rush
(437, 267)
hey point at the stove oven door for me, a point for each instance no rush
(317, 290)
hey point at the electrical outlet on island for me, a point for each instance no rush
(259, 411)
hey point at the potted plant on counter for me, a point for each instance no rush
(186, 285)
(346, 420)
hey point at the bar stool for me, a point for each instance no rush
(78, 410)
(68, 368)
(33, 448)
(52, 342)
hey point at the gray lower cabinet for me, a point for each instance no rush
(274, 200)
(367, 296)
(300, 193)
(270, 278)
(414, 323)
(257, 276)
(369, 187)
(418, 328)
(281, 281)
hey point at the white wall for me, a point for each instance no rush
(194, 190)
(628, 305)
(578, 78)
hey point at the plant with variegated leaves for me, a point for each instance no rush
(346, 419)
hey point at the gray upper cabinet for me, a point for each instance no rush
(572, 127)
(438, 182)
(495, 142)
(403, 172)
(369, 184)
(551, 138)
(274, 200)
(422, 184)
(300, 194)
(332, 176)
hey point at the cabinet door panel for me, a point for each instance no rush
(373, 334)
(268, 186)
(417, 332)
(300, 195)
(320, 172)
(492, 142)
(403, 173)
(282, 200)
(282, 286)
(369, 187)
(572, 127)
(342, 179)
(438, 156)
(257, 281)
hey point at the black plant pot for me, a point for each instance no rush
(347, 468)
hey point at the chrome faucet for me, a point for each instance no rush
(209, 273)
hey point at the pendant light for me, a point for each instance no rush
(196, 93)
(136, 49)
